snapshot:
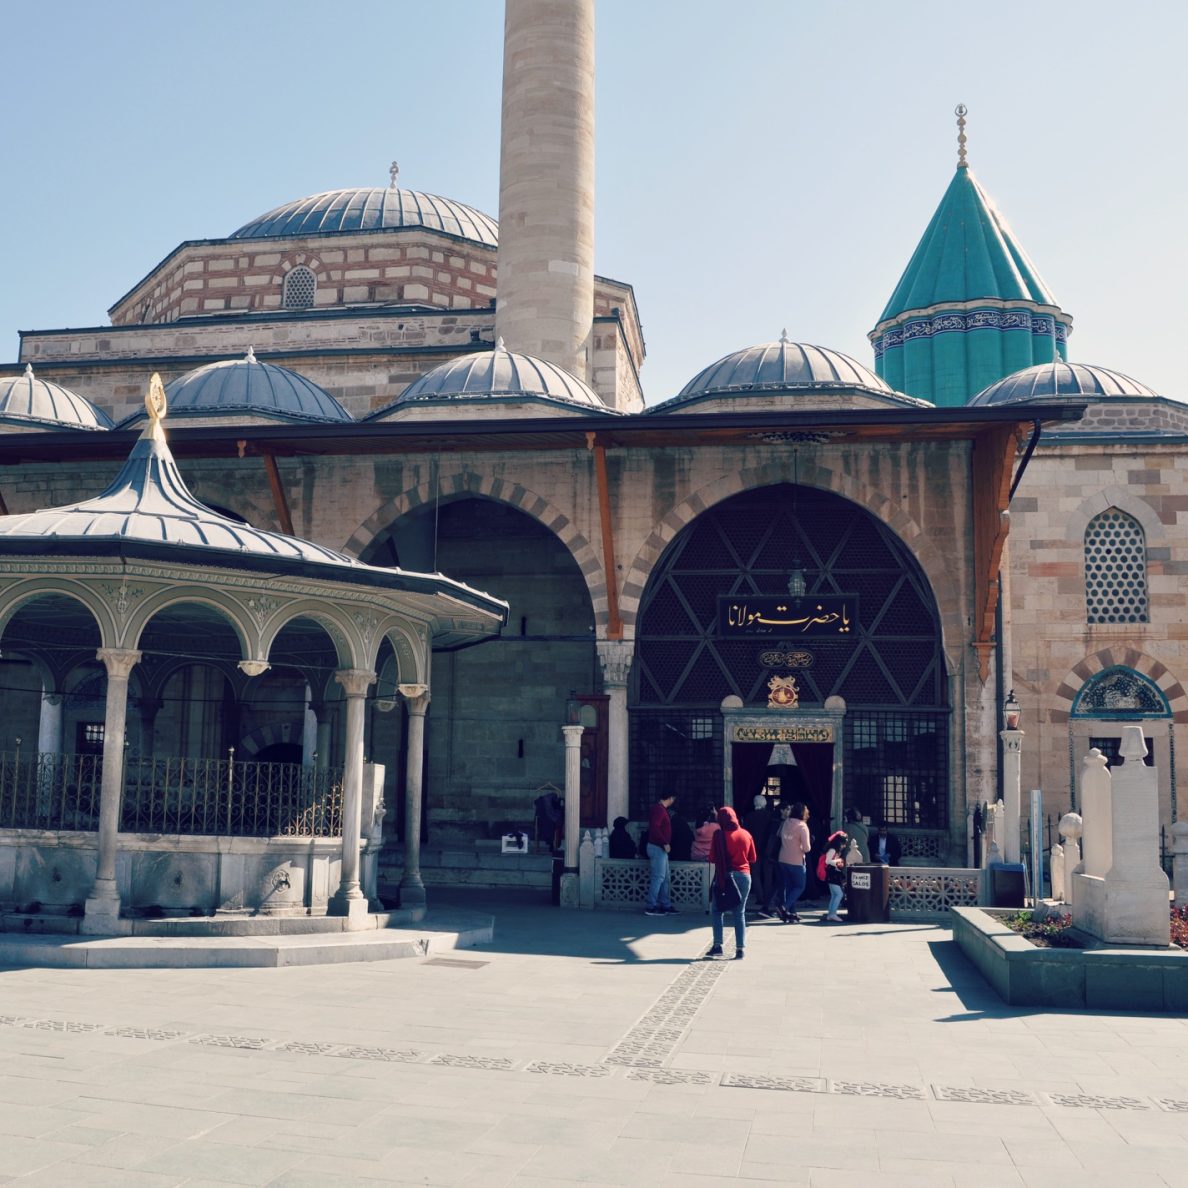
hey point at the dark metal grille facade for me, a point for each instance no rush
(890, 670)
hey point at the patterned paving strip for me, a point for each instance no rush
(145, 1033)
(561, 1069)
(1092, 1101)
(253, 1042)
(307, 1048)
(670, 1076)
(1172, 1105)
(61, 1025)
(12, 1021)
(984, 1096)
(654, 1038)
(875, 1089)
(788, 1084)
(494, 1063)
(402, 1055)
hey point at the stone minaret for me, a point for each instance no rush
(545, 303)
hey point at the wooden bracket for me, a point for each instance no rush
(278, 495)
(993, 459)
(614, 624)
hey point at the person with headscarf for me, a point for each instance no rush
(732, 852)
(620, 844)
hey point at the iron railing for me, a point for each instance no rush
(210, 797)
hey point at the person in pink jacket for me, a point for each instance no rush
(795, 844)
(703, 835)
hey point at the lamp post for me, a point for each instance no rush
(572, 733)
(1012, 775)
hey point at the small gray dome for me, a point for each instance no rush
(1061, 381)
(782, 366)
(497, 374)
(371, 208)
(26, 398)
(248, 387)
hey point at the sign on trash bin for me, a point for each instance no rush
(860, 880)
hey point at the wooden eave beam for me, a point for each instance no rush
(278, 495)
(993, 461)
(614, 624)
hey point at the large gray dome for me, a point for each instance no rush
(27, 399)
(1055, 381)
(371, 208)
(497, 374)
(247, 387)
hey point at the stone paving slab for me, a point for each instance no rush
(439, 933)
(866, 1055)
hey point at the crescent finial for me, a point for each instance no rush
(155, 402)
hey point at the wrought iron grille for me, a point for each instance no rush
(59, 792)
(748, 545)
(896, 766)
(173, 796)
(890, 671)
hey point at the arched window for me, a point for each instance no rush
(300, 287)
(1115, 569)
(1120, 692)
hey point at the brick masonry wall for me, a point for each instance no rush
(1055, 648)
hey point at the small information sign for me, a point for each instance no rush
(860, 880)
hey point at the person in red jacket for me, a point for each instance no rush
(659, 843)
(732, 853)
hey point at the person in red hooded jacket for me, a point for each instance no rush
(732, 852)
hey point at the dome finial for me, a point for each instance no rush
(393, 173)
(499, 345)
(784, 335)
(28, 371)
(156, 405)
(960, 111)
(250, 357)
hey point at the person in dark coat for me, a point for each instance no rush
(885, 847)
(761, 822)
(682, 839)
(550, 819)
(620, 843)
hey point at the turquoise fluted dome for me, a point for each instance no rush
(371, 208)
(27, 399)
(1061, 381)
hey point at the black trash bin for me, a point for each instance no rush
(868, 894)
(558, 870)
(1007, 884)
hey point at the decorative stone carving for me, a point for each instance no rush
(615, 656)
(254, 668)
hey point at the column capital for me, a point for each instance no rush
(253, 668)
(417, 697)
(615, 656)
(119, 662)
(573, 735)
(355, 681)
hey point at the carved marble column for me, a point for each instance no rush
(412, 889)
(103, 904)
(615, 656)
(573, 813)
(349, 899)
(1012, 795)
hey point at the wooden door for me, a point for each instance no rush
(594, 717)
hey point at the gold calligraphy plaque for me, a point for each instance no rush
(784, 734)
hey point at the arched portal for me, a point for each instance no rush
(888, 667)
(494, 725)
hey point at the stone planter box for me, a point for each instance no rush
(1101, 978)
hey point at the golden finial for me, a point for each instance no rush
(960, 111)
(155, 401)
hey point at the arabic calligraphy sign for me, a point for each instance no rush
(778, 659)
(784, 734)
(765, 614)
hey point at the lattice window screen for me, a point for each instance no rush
(1115, 569)
(300, 287)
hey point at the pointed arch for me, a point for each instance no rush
(1120, 656)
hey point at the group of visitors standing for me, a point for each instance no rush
(766, 855)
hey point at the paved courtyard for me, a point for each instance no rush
(586, 1047)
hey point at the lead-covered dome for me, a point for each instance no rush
(27, 400)
(498, 378)
(784, 367)
(1057, 381)
(248, 388)
(371, 208)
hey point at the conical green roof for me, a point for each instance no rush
(967, 253)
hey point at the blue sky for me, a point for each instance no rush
(761, 165)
